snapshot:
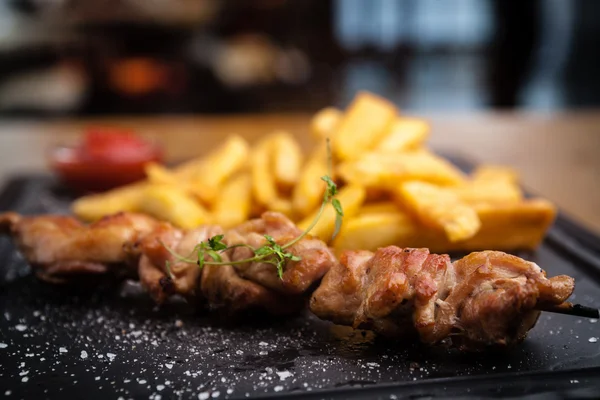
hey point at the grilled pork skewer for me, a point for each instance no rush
(486, 298)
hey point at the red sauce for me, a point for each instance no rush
(106, 158)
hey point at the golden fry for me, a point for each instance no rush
(263, 180)
(371, 231)
(495, 173)
(387, 171)
(325, 122)
(171, 203)
(308, 192)
(382, 207)
(488, 192)
(404, 134)
(363, 125)
(287, 159)
(234, 202)
(503, 227)
(96, 206)
(439, 209)
(157, 173)
(351, 197)
(206, 175)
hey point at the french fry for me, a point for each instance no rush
(495, 173)
(96, 206)
(371, 231)
(234, 202)
(171, 203)
(325, 122)
(385, 170)
(308, 192)
(488, 192)
(439, 209)
(363, 125)
(351, 197)
(404, 134)
(286, 157)
(206, 175)
(264, 188)
(503, 227)
(382, 207)
(156, 173)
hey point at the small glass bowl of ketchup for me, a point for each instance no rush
(106, 158)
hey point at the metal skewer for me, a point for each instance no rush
(576, 310)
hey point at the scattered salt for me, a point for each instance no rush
(23, 373)
(283, 375)
(21, 327)
(278, 388)
(229, 391)
(203, 396)
(136, 333)
(7, 393)
(141, 382)
(3, 345)
(160, 387)
(169, 366)
(62, 349)
(593, 339)
(25, 379)
(263, 344)
(216, 394)
(593, 321)
(111, 356)
(97, 378)
(574, 381)
(36, 313)
(83, 355)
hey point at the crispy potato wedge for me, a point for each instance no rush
(371, 231)
(325, 122)
(286, 156)
(234, 202)
(439, 209)
(96, 206)
(366, 121)
(171, 203)
(351, 197)
(404, 134)
(308, 192)
(503, 227)
(387, 171)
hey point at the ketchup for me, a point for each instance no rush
(106, 158)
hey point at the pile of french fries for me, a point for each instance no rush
(393, 189)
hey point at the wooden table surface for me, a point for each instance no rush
(558, 155)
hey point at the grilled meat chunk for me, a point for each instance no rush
(154, 256)
(59, 247)
(487, 298)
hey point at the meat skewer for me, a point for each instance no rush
(485, 299)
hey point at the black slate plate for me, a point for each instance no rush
(109, 341)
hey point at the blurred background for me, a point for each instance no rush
(96, 57)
